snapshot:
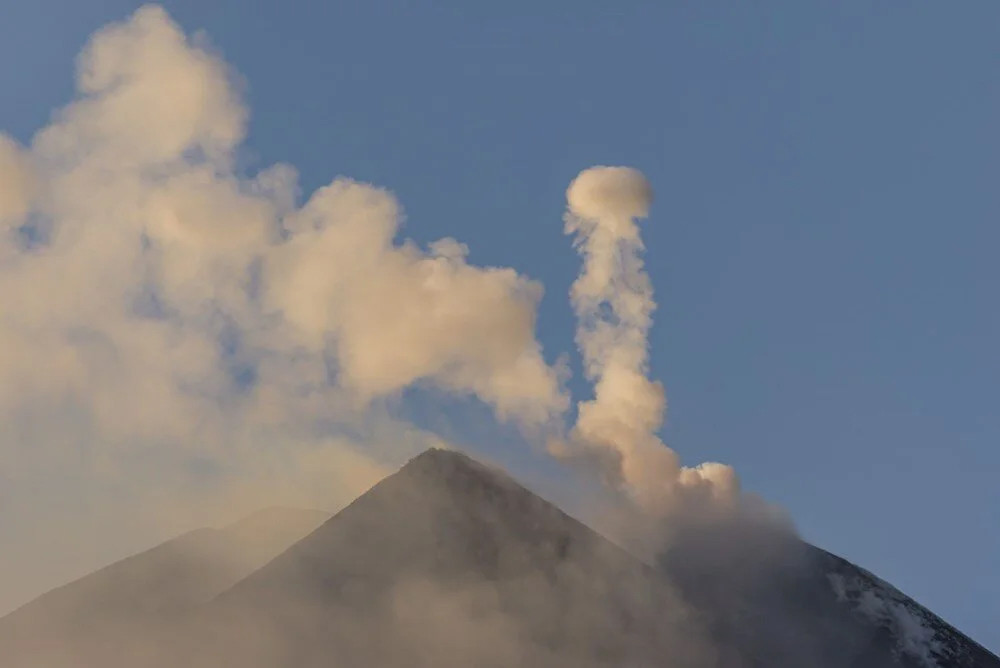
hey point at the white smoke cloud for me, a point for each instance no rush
(17, 183)
(613, 299)
(172, 328)
(177, 337)
(399, 314)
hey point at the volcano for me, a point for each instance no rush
(449, 562)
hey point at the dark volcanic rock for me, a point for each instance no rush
(450, 563)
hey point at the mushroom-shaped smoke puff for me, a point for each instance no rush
(609, 194)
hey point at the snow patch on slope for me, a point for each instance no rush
(911, 626)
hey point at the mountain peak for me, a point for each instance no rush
(447, 461)
(451, 562)
(458, 471)
(450, 542)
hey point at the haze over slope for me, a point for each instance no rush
(450, 563)
(139, 593)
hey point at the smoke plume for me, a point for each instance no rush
(179, 337)
(16, 183)
(182, 342)
(613, 300)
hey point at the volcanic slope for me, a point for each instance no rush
(451, 563)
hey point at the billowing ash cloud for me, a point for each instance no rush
(398, 314)
(174, 329)
(17, 183)
(613, 299)
(141, 204)
(179, 339)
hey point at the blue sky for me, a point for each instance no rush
(823, 244)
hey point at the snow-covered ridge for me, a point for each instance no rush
(918, 633)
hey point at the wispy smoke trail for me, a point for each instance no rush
(613, 299)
